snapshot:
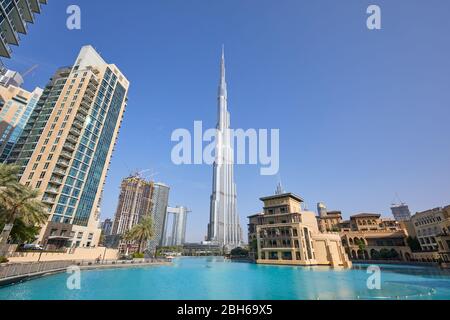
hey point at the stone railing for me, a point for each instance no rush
(15, 270)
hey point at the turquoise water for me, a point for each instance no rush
(214, 278)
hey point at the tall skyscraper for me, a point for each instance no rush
(401, 212)
(134, 203)
(224, 227)
(14, 16)
(16, 106)
(66, 146)
(160, 202)
(177, 235)
(322, 209)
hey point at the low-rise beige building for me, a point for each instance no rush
(367, 236)
(429, 224)
(432, 228)
(330, 221)
(288, 235)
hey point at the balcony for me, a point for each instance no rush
(84, 108)
(56, 180)
(5, 50)
(67, 155)
(78, 124)
(16, 15)
(89, 93)
(27, 14)
(59, 171)
(63, 163)
(73, 139)
(69, 146)
(52, 190)
(49, 200)
(75, 131)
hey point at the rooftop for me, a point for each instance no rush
(283, 195)
(366, 215)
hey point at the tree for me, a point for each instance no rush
(22, 233)
(239, 252)
(142, 232)
(361, 244)
(17, 202)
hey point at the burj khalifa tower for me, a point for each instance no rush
(224, 228)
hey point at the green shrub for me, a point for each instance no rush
(138, 255)
(3, 260)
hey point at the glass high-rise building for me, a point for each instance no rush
(16, 106)
(66, 146)
(177, 235)
(14, 18)
(160, 201)
(401, 212)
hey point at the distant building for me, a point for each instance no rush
(330, 221)
(177, 235)
(11, 78)
(14, 17)
(160, 202)
(16, 107)
(287, 234)
(321, 209)
(134, 203)
(107, 227)
(401, 212)
(202, 249)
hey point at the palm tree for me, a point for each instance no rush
(17, 202)
(142, 232)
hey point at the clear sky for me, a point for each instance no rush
(362, 114)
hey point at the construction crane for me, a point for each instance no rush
(141, 173)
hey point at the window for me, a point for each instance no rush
(31, 176)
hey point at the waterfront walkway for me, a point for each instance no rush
(16, 272)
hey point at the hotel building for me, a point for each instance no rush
(14, 17)
(367, 236)
(16, 106)
(429, 224)
(287, 234)
(67, 144)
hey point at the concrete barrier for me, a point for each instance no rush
(72, 255)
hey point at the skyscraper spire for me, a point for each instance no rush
(223, 82)
(223, 228)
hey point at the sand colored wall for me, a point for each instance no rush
(78, 254)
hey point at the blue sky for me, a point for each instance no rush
(362, 114)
